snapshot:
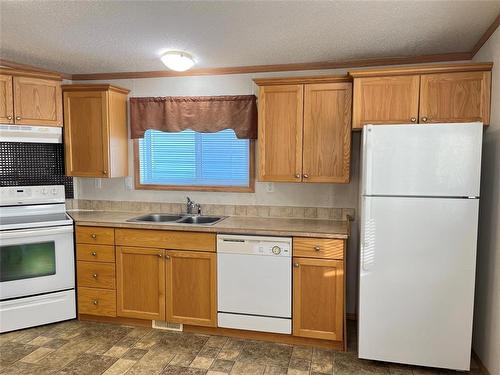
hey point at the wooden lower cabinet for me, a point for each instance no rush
(318, 298)
(140, 276)
(191, 287)
(94, 301)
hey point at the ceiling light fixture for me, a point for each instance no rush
(177, 60)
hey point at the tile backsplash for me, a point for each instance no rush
(215, 209)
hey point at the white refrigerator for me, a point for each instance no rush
(419, 220)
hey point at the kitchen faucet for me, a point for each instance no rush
(192, 207)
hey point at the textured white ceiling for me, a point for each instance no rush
(114, 36)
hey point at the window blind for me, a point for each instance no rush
(192, 158)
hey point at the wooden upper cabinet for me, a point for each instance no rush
(37, 101)
(140, 279)
(191, 287)
(455, 97)
(327, 132)
(385, 100)
(95, 118)
(304, 129)
(318, 298)
(280, 133)
(6, 99)
(422, 94)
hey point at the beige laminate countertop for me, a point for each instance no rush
(232, 224)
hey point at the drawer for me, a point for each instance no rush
(96, 274)
(166, 239)
(318, 248)
(95, 253)
(95, 235)
(95, 301)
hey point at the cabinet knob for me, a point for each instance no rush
(95, 302)
(296, 265)
(424, 119)
(105, 172)
(317, 248)
(93, 235)
(9, 117)
(94, 275)
(306, 176)
(167, 257)
(297, 175)
(160, 256)
(93, 253)
(413, 119)
(18, 118)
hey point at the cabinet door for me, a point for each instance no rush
(455, 97)
(86, 133)
(191, 287)
(280, 133)
(385, 100)
(37, 101)
(140, 276)
(327, 132)
(318, 298)
(6, 100)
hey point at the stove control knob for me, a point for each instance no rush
(54, 191)
(44, 191)
(276, 250)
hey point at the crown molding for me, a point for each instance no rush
(31, 68)
(279, 67)
(484, 38)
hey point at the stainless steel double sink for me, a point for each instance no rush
(177, 219)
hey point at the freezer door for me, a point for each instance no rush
(417, 271)
(422, 160)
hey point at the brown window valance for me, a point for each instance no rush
(204, 114)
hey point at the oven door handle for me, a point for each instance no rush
(35, 232)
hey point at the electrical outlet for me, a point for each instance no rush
(129, 183)
(98, 183)
(270, 187)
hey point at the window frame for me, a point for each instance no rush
(234, 189)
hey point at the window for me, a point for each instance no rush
(189, 160)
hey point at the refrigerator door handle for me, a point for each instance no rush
(368, 238)
(367, 160)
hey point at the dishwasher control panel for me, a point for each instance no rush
(254, 245)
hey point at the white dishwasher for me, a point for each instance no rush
(254, 278)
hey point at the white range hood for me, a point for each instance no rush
(30, 134)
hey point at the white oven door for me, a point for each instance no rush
(36, 261)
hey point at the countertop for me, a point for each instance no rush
(265, 226)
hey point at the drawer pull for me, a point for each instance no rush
(93, 235)
(93, 253)
(296, 265)
(317, 248)
(94, 275)
(95, 302)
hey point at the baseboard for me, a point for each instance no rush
(264, 336)
(116, 320)
(482, 367)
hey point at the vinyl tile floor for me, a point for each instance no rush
(75, 347)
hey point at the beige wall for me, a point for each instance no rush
(291, 194)
(486, 338)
